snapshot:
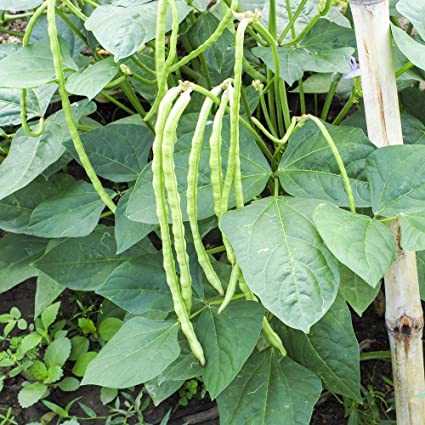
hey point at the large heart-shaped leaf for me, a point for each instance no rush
(84, 264)
(17, 252)
(16, 209)
(32, 66)
(270, 390)
(309, 169)
(364, 245)
(29, 156)
(283, 259)
(139, 285)
(330, 350)
(118, 152)
(394, 187)
(93, 79)
(228, 340)
(122, 30)
(138, 352)
(255, 172)
(73, 212)
(19, 4)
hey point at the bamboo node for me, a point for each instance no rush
(404, 328)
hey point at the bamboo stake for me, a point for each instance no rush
(403, 316)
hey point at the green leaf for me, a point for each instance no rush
(69, 384)
(364, 245)
(118, 152)
(308, 168)
(38, 371)
(270, 390)
(28, 343)
(356, 291)
(109, 327)
(19, 4)
(123, 30)
(29, 156)
(54, 374)
(31, 393)
(255, 172)
(138, 285)
(128, 232)
(330, 350)
(228, 340)
(16, 209)
(57, 352)
(49, 315)
(107, 395)
(85, 263)
(219, 58)
(80, 345)
(17, 253)
(93, 79)
(283, 258)
(47, 291)
(87, 326)
(412, 230)
(83, 362)
(420, 261)
(149, 347)
(37, 102)
(323, 49)
(174, 376)
(32, 66)
(412, 49)
(73, 212)
(393, 188)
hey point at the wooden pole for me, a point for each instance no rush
(403, 316)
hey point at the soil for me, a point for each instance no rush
(370, 331)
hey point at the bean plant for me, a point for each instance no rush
(204, 166)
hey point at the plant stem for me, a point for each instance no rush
(345, 109)
(66, 106)
(330, 96)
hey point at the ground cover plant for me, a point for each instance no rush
(203, 171)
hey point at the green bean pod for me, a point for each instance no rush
(215, 153)
(162, 65)
(235, 109)
(169, 138)
(231, 288)
(192, 193)
(66, 106)
(162, 213)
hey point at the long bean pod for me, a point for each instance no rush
(231, 288)
(192, 193)
(215, 160)
(66, 106)
(173, 197)
(162, 213)
(162, 65)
